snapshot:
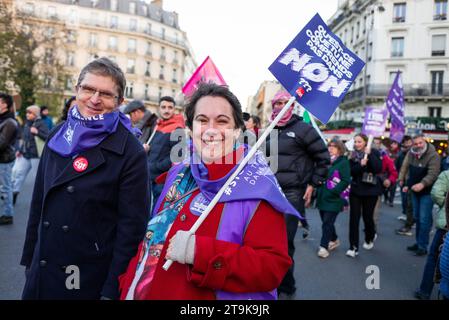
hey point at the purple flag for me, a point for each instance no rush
(317, 67)
(375, 120)
(396, 106)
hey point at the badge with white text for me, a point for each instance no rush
(80, 164)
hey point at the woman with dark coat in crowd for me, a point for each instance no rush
(365, 164)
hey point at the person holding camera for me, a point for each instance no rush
(366, 187)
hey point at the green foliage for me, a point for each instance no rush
(22, 41)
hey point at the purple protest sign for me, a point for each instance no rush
(396, 106)
(317, 67)
(375, 120)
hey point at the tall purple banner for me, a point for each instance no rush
(375, 121)
(317, 67)
(396, 106)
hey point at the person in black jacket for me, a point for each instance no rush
(9, 129)
(168, 132)
(91, 200)
(366, 187)
(27, 155)
(302, 164)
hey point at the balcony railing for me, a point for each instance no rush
(410, 90)
(124, 27)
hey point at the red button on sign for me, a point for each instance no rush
(80, 164)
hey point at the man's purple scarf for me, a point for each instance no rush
(255, 182)
(80, 133)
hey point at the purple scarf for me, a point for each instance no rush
(83, 133)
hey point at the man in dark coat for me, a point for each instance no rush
(164, 139)
(8, 134)
(302, 164)
(142, 119)
(90, 202)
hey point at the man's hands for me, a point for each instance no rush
(146, 147)
(418, 187)
(308, 196)
(33, 130)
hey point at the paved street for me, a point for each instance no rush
(337, 277)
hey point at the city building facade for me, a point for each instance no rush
(144, 39)
(409, 36)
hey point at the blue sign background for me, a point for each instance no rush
(333, 55)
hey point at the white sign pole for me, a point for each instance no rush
(245, 160)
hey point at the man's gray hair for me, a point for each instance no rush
(107, 68)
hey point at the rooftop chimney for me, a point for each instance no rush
(157, 3)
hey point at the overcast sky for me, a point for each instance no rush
(243, 37)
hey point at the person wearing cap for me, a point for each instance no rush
(142, 119)
(46, 118)
(302, 164)
(27, 154)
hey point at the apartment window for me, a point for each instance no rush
(129, 90)
(368, 80)
(71, 36)
(161, 73)
(148, 28)
(392, 76)
(48, 57)
(114, 22)
(68, 83)
(438, 45)
(132, 24)
(397, 47)
(132, 8)
(437, 82)
(114, 5)
(51, 12)
(72, 16)
(28, 8)
(47, 82)
(364, 24)
(149, 48)
(175, 57)
(358, 30)
(70, 59)
(113, 58)
(163, 33)
(160, 93)
(175, 76)
(49, 32)
(399, 12)
(94, 3)
(145, 10)
(131, 66)
(440, 10)
(92, 40)
(147, 92)
(132, 45)
(435, 112)
(162, 53)
(112, 44)
(147, 69)
(352, 34)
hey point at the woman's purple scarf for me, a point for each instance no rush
(80, 133)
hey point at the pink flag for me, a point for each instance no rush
(206, 72)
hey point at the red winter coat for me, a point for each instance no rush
(258, 265)
(388, 169)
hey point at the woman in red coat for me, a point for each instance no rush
(240, 250)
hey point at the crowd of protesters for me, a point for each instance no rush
(143, 202)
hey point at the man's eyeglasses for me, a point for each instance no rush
(90, 91)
